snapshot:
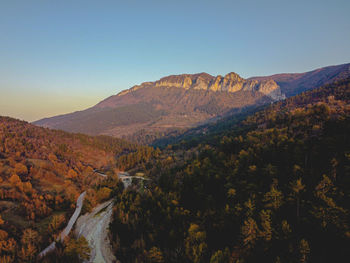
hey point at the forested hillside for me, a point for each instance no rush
(42, 172)
(275, 187)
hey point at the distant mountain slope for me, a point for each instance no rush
(173, 102)
(178, 102)
(209, 132)
(295, 83)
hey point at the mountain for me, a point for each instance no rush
(295, 83)
(175, 103)
(290, 84)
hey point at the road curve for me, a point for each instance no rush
(94, 227)
(68, 228)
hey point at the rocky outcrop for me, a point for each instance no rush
(295, 83)
(271, 88)
(231, 82)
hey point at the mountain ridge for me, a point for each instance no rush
(294, 83)
(178, 102)
(231, 82)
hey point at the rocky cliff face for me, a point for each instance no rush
(231, 82)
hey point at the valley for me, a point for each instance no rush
(232, 189)
(175, 131)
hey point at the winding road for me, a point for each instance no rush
(68, 228)
(94, 227)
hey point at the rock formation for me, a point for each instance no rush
(231, 82)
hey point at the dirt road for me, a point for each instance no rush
(68, 228)
(94, 227)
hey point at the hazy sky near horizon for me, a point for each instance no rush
(60, 56)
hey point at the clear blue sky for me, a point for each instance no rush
(58, 56)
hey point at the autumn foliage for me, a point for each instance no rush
(42, 172)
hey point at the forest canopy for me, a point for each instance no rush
(273, 187)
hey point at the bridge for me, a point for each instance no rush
(126, 178)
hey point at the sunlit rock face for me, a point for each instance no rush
(271, 89)
(231, 82)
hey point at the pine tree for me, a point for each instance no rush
(195, 243)
(266, 232)
(273, 198)
(297, 187)
(304, 250)
(155, 255)
(249, 232)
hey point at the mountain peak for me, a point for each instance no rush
(233, 76)
(231, 82)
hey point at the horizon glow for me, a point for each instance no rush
(61, 56)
